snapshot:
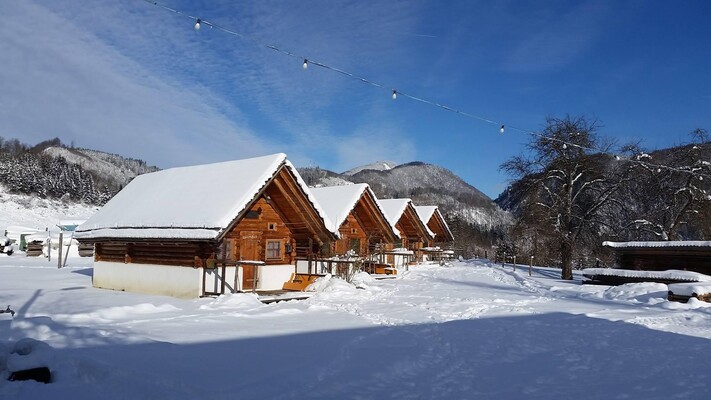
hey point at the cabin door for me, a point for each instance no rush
(249, 250)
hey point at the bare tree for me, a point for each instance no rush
(566, 182)
(666, 197)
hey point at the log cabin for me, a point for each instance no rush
(433, 219)
(438, 248)
(687, 255)
(414, 233)
(207, 229)
(356, 215)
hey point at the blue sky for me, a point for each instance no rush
(130, 78)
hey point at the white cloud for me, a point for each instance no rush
(60, 80)
(133, 79)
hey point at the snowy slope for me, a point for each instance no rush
(36, 213)
(376, 166)
(470, 330)
(107, 166)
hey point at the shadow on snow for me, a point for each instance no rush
(547, 356)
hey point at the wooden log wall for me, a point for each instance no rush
(352, 229)
(267, 224)
(658, 259)
(160, 253)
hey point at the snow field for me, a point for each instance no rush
(468, 330)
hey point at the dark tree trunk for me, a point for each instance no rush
(566, 256)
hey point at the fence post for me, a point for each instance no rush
(530, 266)
(514, 263)
(59, 254)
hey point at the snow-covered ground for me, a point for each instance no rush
(471, 330)
(36, 213)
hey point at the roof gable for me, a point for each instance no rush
(395, 209)
(180, 201)
(427, 213)
(339, 201)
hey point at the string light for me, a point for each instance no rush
(565, 146)
(395, 93)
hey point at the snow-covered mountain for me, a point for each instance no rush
(473, 217)
(376, 166)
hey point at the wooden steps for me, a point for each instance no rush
(299, 281)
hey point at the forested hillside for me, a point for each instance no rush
(52, 170)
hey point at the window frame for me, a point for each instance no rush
(279, 249)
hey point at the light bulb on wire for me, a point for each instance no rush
(501, 130)
(394, 94)
(306, 63)
(197, 24)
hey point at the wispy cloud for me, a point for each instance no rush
(133, 79)
(60, 80)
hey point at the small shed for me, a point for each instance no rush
(207, 229)
(689, 255)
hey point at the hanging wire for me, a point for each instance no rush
(396, 93)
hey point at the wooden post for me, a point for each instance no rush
(224, 266)
(311, 249)
(59, 246)
(49, 248)
(66, 255)
(256, 278)
(530, 266)
(514, 262)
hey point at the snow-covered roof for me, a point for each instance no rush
(673, 243)
(426, 213)
(196, 202)
(394, 208)
(339, 201)
(690, 289)
(630, 273)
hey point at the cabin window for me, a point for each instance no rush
(273, 250)
(354, 231)
(272, 226)
(253, 214)
(227, 247)
(354, 245)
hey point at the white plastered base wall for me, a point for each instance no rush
(273, 277)
(182, 282)
(167, 280)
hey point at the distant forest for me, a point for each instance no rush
(30, 170)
